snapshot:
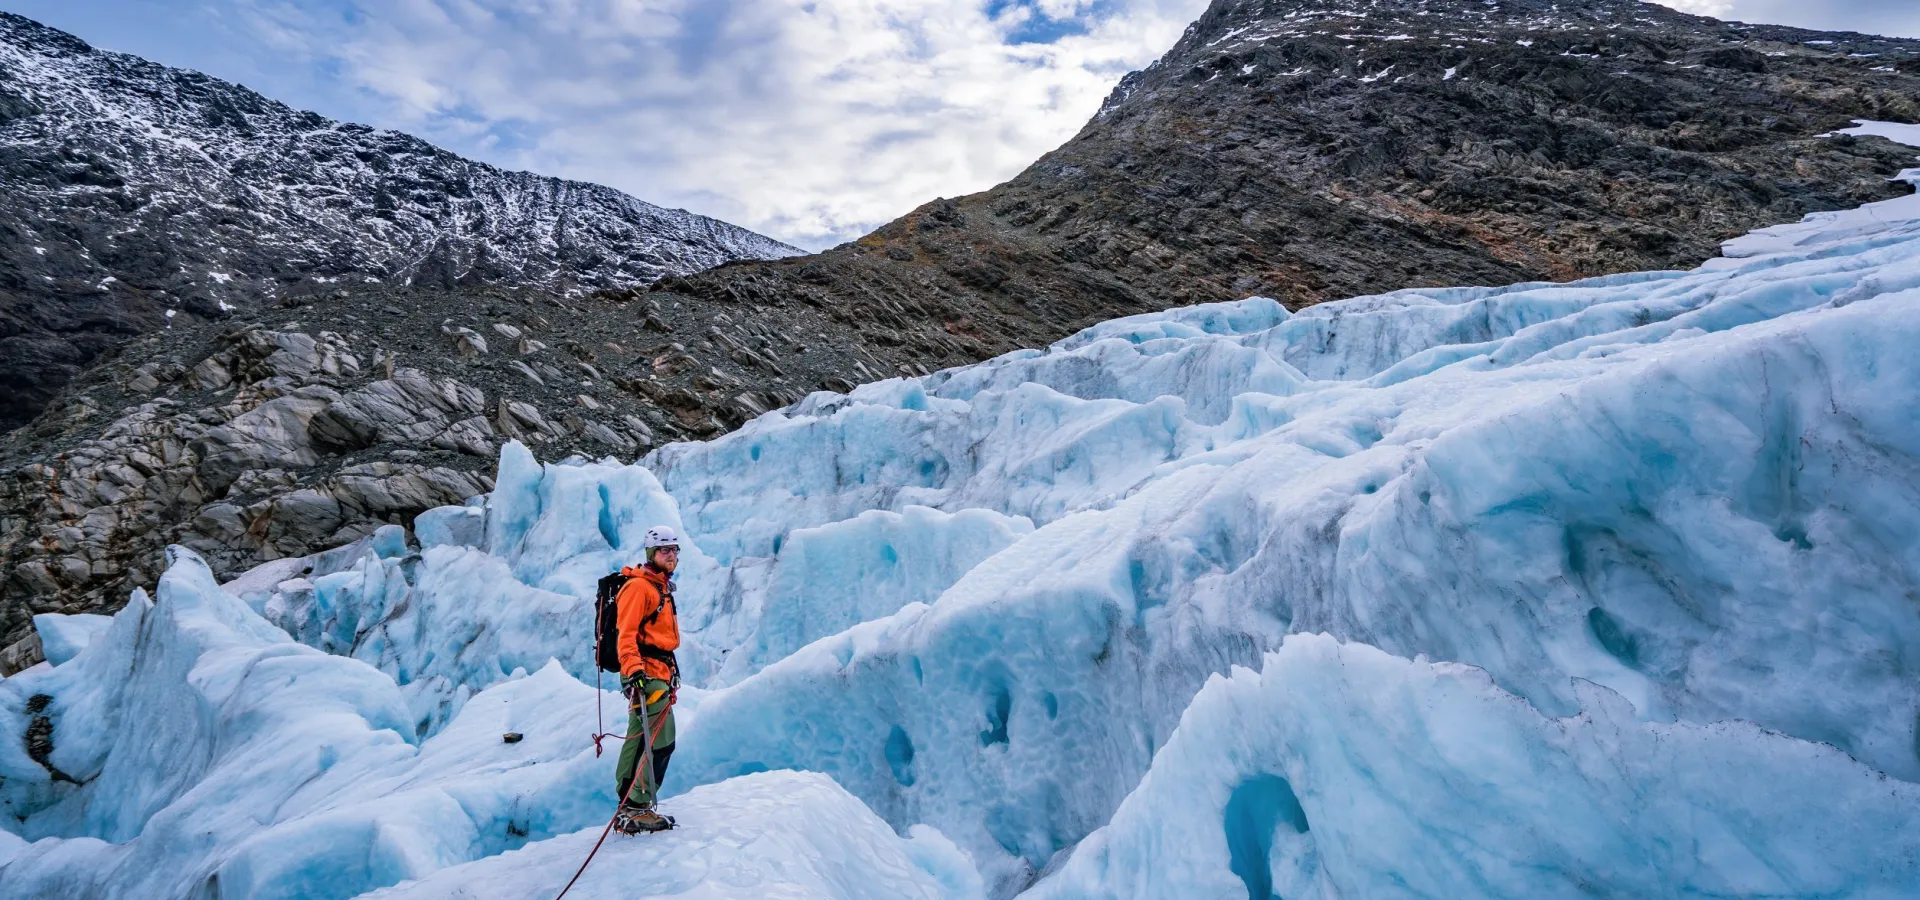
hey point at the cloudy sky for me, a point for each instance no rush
(808, 120)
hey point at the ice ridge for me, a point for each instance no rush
(1214, 601)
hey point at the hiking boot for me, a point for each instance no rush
(634, 820)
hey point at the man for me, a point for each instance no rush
(649, 633)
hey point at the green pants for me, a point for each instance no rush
(642, 793)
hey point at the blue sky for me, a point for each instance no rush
(809, 120)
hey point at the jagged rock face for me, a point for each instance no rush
(363, 408)
(240, 480)
(133, 190)
(1312, 150)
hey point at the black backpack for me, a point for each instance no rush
(606, 614)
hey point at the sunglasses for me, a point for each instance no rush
(666, 549)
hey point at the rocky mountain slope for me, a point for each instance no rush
(135, 193)
(1317, 149)
(258, 441)
(1298, 149)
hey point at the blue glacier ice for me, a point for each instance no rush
(1608, 587)
(216, 757)
(63, 637)
(1342, 771)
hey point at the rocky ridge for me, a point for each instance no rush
(256, 441)
(1313, 149)
(1298, 149)
(137, 194)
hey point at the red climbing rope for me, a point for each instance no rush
(652, 733)
(596, 849)
(599, 720)
(599, 723)
(600, 736)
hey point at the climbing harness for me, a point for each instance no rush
(644, 769)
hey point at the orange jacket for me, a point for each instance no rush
(637, 601)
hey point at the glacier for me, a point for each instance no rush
(1543, 590)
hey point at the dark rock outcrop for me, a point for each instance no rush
(254, 442)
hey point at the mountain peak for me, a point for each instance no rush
(19, 30)
(140, 192)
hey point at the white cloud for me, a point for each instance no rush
(810, 120)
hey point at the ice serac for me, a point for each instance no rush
(1695, 489)
(455, 616)
(62, 637)
(827, 579)
(1341, 771)
(197, 751)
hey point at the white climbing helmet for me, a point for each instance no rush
(660, 536)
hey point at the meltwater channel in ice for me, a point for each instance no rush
(1610, 587)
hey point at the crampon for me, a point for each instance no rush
(641, 821)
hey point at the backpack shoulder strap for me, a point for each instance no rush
(666, 601)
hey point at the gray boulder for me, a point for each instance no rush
(409, 409)
(274, 434)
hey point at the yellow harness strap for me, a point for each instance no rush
(651, 699)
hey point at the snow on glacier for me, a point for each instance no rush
(775, 834)
(1830, 228)
(1641, 523)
